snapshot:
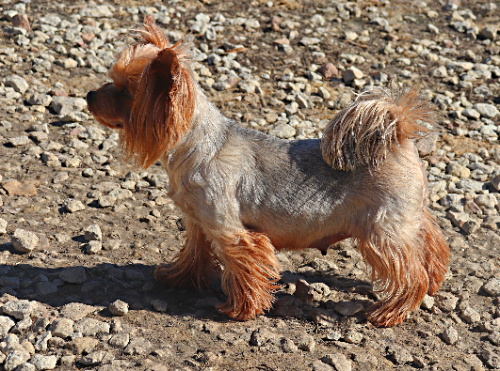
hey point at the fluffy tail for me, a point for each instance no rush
(363, 133)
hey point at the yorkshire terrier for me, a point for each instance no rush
(245, 194)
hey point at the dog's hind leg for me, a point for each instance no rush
(250, 273)
(436, 252)
(194, 266)
(398, 275)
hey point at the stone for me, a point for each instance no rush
(138, 346)
(77, 311)
(93, 247)
(21, 20)
(450, 335)
(324, 317)
(446, 301)
(17, 82)
(97, 358)
(72, 206)
(486, 110)
(40, 99)
(352, 73)
(464, 221)
(73, 275)
(24, 241)
(66, 105)
(14, 359)
(119, 340)
(19, 309)
(91, 327)
(3, 225)
(471, 113)
(21, 141)
(489, 32)
(492, 358)
(15, 188)
(427, 302)
(93, 233)
(470, 315)
(62, 327)
(492, 287)
(328, 70)
(439, 72)
(159, 305)
(118, 308)
(338, 361)
(348, 308)
(42, 362)
(458, 170)
(46, 288)
(283, 131)
(82, 345)
(6, 323)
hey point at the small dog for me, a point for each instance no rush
(246, 194)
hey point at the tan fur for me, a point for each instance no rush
(245, 194)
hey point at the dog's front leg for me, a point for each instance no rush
(251, 271)
(195, 265)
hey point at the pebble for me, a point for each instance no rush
(24, 241)
(118, 308)
(446, 301)
(19, 309)
(93, 233)
(492, 287)
(17, 82)
(338, 361)
(75, 275)
(42, 362)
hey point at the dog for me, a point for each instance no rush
(245, 194)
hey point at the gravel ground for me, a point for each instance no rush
(81, 231)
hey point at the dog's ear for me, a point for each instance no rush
(162, 109)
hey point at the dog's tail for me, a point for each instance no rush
(373, 125)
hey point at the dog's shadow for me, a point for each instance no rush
(104, 283)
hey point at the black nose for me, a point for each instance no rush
(91, 95)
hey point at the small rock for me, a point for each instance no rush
(492, 358)
(492, 287)
(159, 305)
(21, 20)
(348, 308)
(17, 82)
(119, 340)
(46, 288)
(24, 241)
(486, 110)
(352, 73)
(328, 70)
(66, 105)
(138, 346)
(72, 206)
(14, 359)
(77, 311)
(450, 335)
(470, 315)
(73, 275)
(446, 301)
(338, 361)
(93, 247)
(489, 32)
(118, 308)
(42, 362)
(82, 345)
(91, 327)
(6, 323)
(288, 346)
(93, 233)
(97, 358)
(283, 131)
(427, 302)
(19, 309)
(15, 188)
(3, 226)
(62, 327)
(440, 72)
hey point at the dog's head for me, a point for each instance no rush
(151, 99)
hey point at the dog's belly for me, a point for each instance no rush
(299, 242)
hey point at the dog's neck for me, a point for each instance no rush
(207, 134)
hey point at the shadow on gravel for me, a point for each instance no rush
(104, 283)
